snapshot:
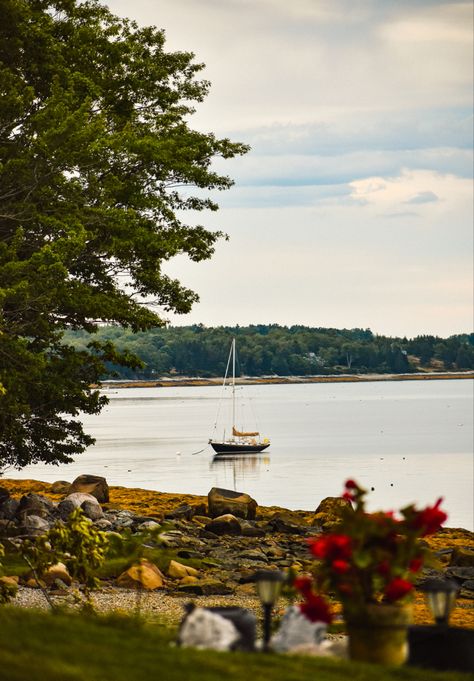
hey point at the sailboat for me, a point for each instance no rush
(240, 441)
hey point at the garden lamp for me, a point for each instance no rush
(268, 585)
(441, 595)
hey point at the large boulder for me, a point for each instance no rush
(224, 524)
(88, 503)
(328, 513)
(222, 501)
(91, 484)
(144, 575)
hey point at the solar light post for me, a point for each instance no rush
(268, 586)
(441, 596)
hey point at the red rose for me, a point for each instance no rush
(383, 568)
(331, 547)
(340, 566)
(303, 585)
(430, 519)
(316, 609)
(415, 564)
(397, 588)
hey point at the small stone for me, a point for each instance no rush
(61, 487)
(206, 588)
(462, 557)
(57, 571)
(145, 575)
(178, 570)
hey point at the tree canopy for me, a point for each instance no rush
(281, 350)
(96, 157)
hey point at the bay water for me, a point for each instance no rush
(406, 441)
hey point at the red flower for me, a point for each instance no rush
(430, 519)
(340, 566)
(384, 568)
(351, 484)
(348, 496)
(397, 588)
(331, 547)
(316, 609)
(303, 585)
(415, 564)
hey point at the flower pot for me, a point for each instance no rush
(378, 633)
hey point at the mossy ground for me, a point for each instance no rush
(36, 646)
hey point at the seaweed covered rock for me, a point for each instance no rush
(222, 501)
(92, 484)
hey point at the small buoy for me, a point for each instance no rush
(372, 489)
(391, 484)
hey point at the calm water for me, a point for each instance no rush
(410, 441)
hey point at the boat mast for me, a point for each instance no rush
(233, 382)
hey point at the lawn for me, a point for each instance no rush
(35, 646)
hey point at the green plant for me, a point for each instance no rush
(7, 589)
(78, 544)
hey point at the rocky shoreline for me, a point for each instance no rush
(212, 545)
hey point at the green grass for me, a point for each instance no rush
(36, 646)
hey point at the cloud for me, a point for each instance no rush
(423, 197)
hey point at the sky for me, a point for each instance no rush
(354, 207)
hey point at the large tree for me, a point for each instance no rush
(96, 157)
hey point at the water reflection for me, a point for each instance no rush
(239, 468)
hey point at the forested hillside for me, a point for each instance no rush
(279, 350)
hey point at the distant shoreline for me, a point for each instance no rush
(187, 381)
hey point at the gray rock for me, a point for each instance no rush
(34, 525)
(251, 530)
(92, 510)
(206, 587)
(65, 508)
(9, 508)
(35, 504)
(77, 500)
(224, 524)
(103, 524)
(186, 511)
(460, 573)
(148, 525)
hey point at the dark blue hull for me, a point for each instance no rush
(229, 448)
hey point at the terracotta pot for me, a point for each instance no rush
(378, 633)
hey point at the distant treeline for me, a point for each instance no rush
(278, 350)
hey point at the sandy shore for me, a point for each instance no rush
(183, 381)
